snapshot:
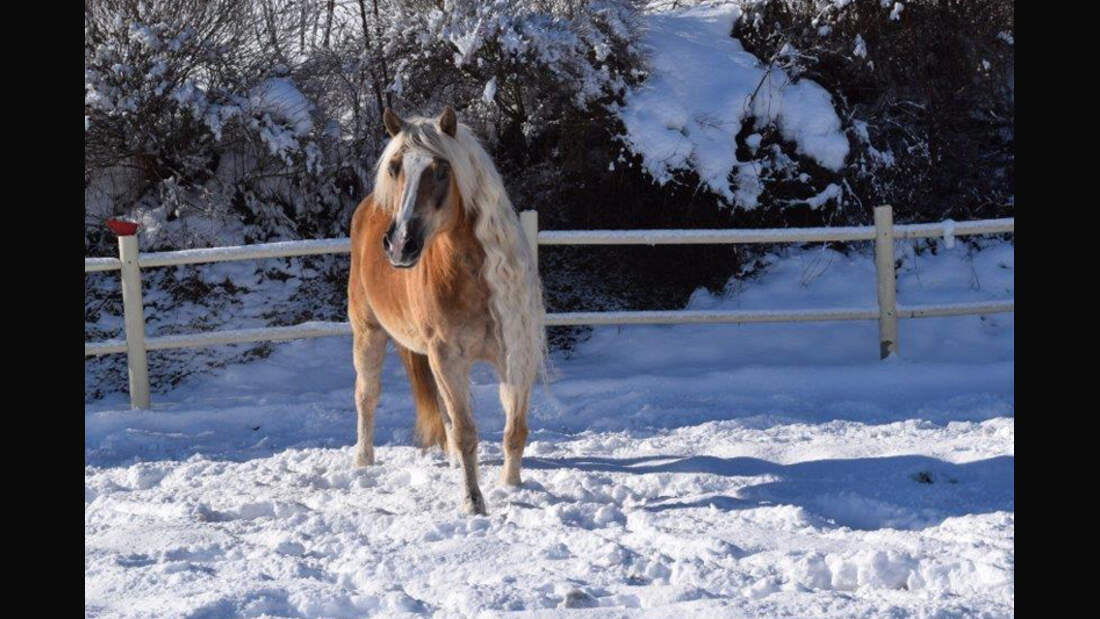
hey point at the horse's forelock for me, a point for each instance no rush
(421, 133)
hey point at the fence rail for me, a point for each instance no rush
(773, 235)
(883, 233)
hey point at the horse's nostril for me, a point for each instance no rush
(386, 242)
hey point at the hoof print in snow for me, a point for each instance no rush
(923, 477)
(556, 551)
(579, 599)
(287, 547)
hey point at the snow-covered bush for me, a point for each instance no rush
(200, 130)
(205, 122)
(240, 122)
(926, 90)
(523, 71)
(215, 123)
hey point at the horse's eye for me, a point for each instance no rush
(441, 170)
(395, 167)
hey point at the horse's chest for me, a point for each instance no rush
(402, 319)
(442, 297)
(407, 334)
(459, 316)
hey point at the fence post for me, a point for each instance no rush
(137, 364)
(886, 284)
(530, 222)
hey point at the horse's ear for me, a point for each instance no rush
(392, 121)
(447, 122)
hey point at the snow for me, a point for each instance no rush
(490, 90)
(284, 115)
(283, 101)
(831, 192)
(860, 48)
(689, 470)
(701, 89)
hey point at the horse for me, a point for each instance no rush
(439, 265)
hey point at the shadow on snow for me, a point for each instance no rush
(899, 492)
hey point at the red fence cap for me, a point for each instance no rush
(122, 228)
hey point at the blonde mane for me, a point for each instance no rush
(509, 269)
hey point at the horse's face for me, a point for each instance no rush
(424, 201)
(425, 182)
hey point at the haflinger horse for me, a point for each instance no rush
(439, 264)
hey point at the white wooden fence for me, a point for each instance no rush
(883, 233)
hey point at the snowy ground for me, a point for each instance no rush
(701, 470)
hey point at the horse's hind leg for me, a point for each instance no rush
(369, 348)
(514, 400)
(451, 372)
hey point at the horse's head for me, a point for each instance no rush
(421, 183)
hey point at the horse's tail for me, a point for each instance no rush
(429, 418)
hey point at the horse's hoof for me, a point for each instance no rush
(510, 478)
(475, 505)
(364, 459)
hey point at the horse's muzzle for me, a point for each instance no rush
(402, 247)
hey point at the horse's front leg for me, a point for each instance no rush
(369, 348)
(451, 370)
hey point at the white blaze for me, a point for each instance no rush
(413, 162)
